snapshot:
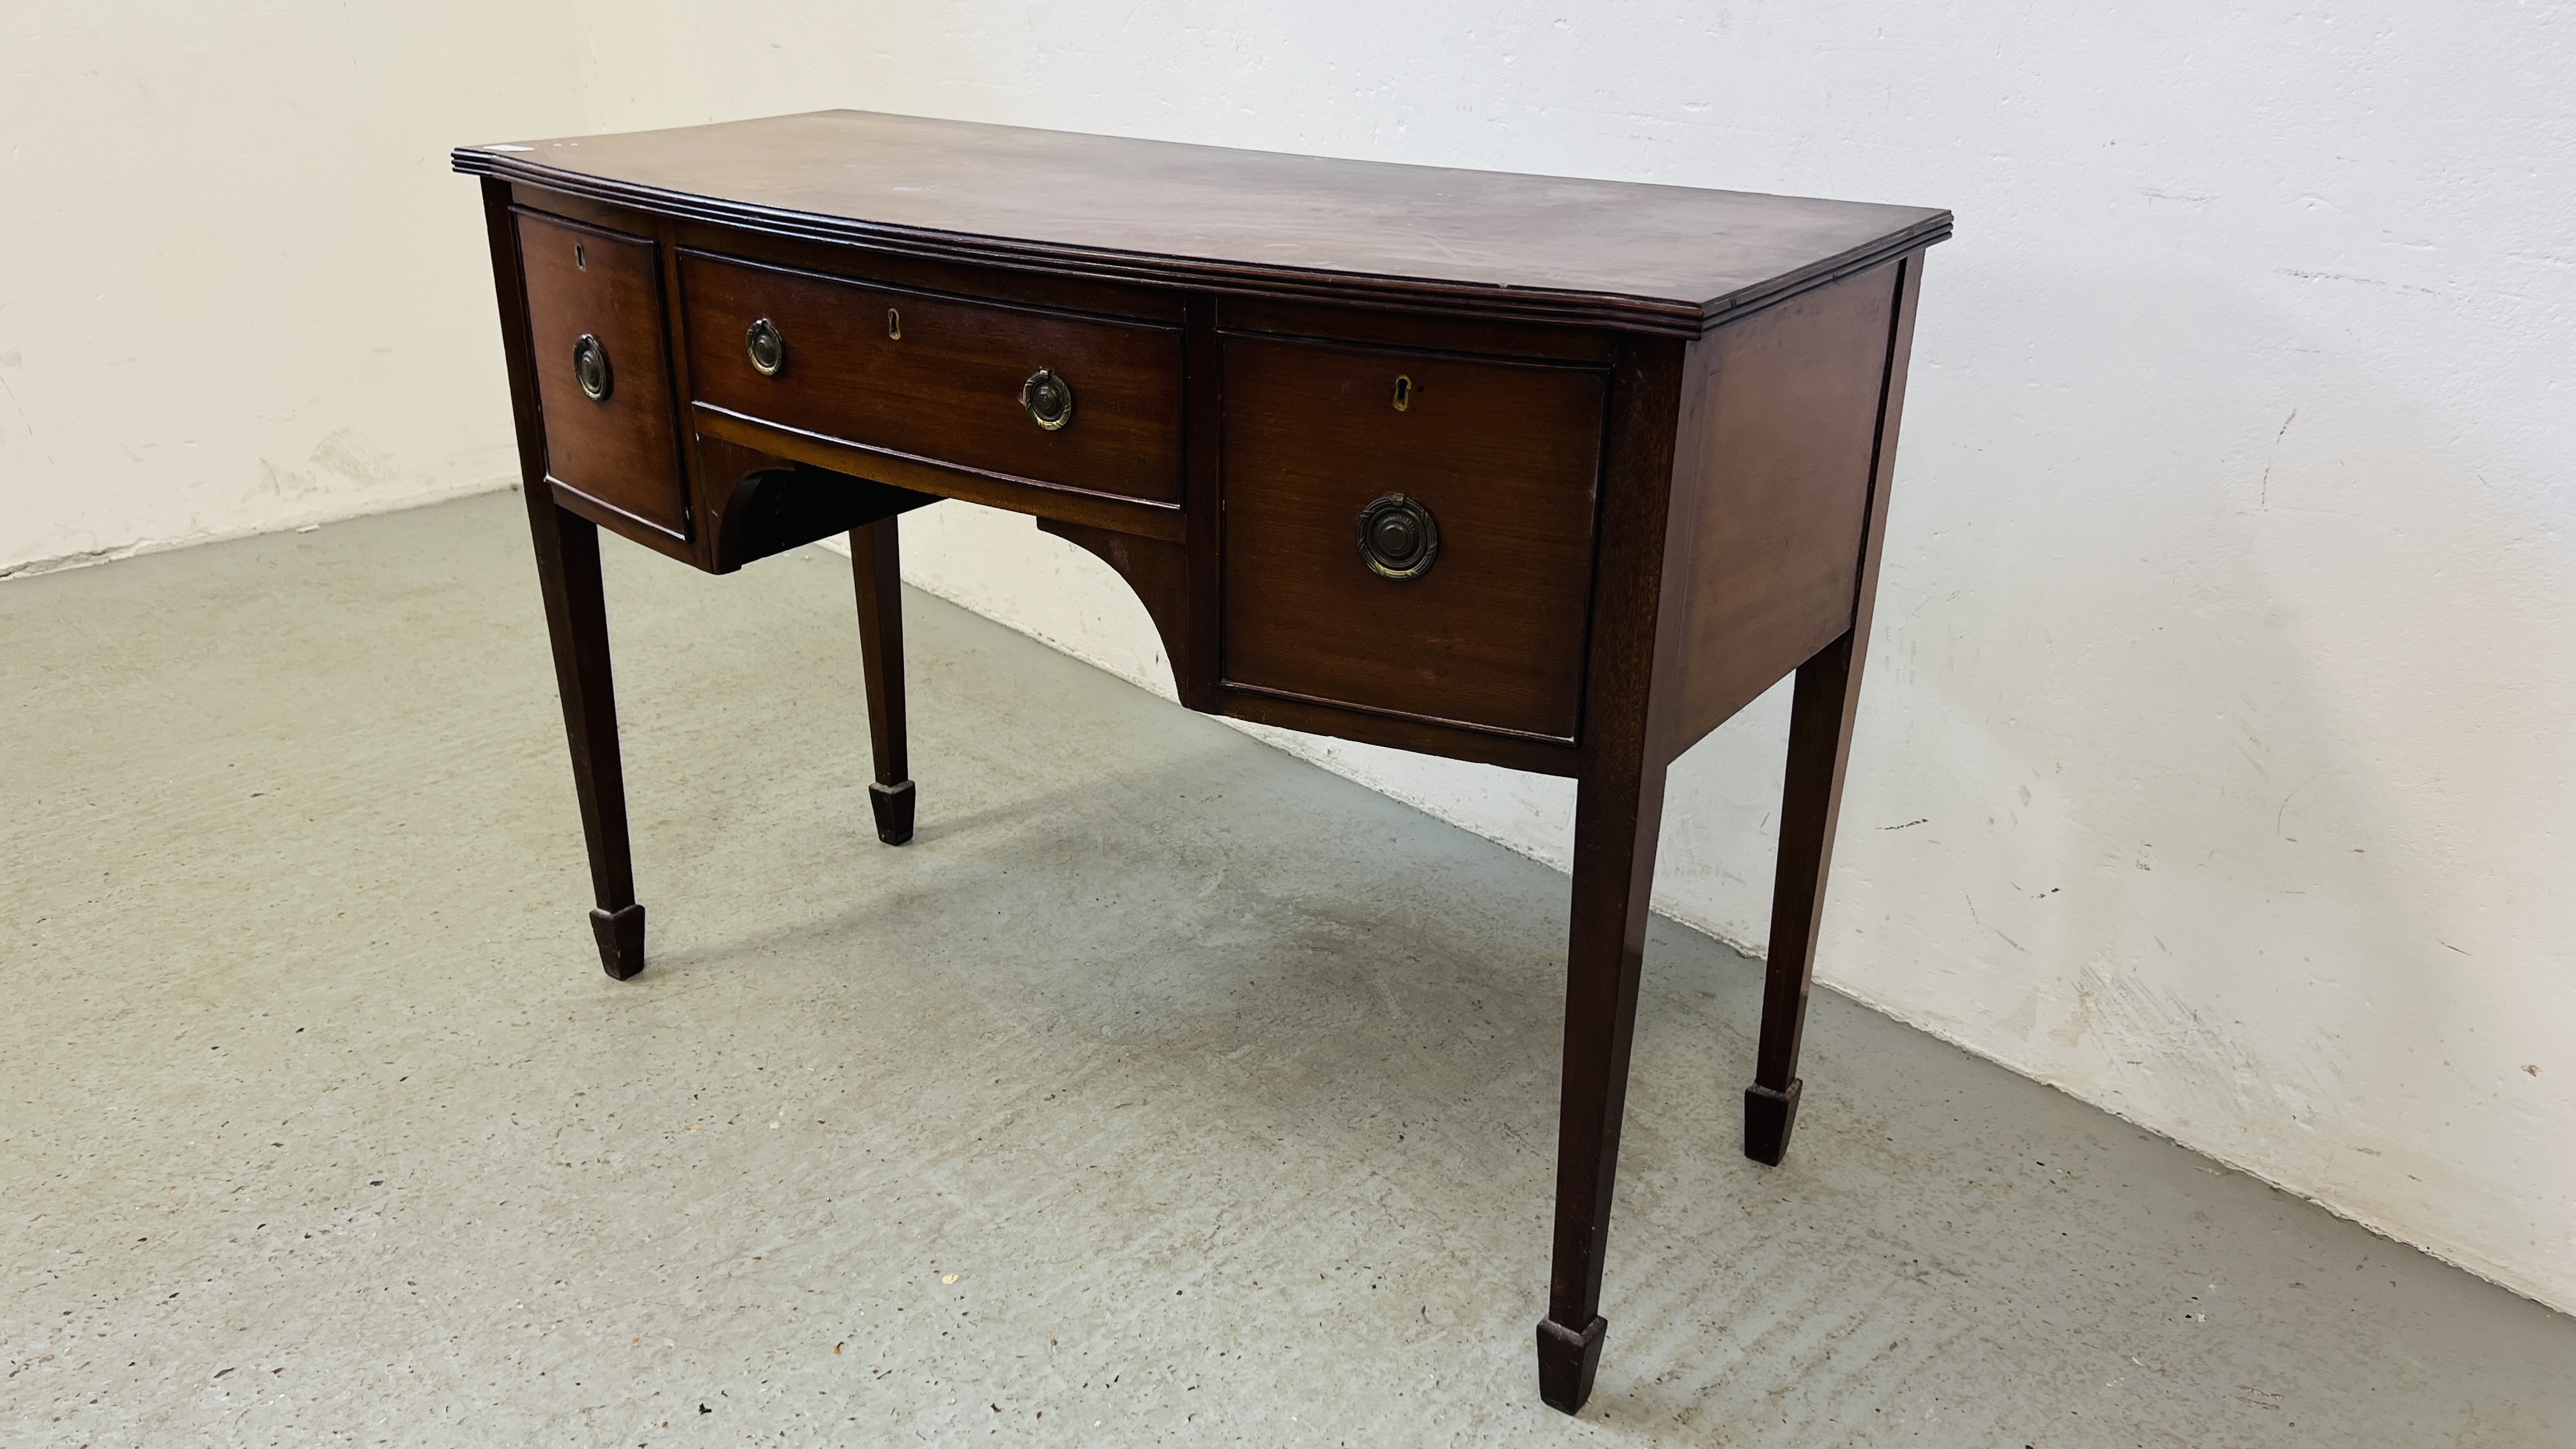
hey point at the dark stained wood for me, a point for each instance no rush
(620, 452)
(896, 267)
(623, 524)
(756, 504)
(1616, 822)
(1643, 257)
(1821, 715)
(729, 481)
(1618, 811)
(577, 621)
(510, 293)
(567, 550)
(676, 340)
(1783, 491)
(891, 266)
(1655, 426)
(947, 390)
(583, 211)
(1203, 500)
(1399, 732)
(876, 566)
(1393, 327)
(1123, 515)
(1811, 790)
(1503, 455)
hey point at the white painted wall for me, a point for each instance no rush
(2216, 738)
(239, 289)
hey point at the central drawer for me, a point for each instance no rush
(940, 379)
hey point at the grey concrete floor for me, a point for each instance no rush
(1164, 1090)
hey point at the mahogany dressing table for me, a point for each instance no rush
(1549, 474)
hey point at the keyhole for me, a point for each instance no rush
(581, 263)
(1403, 393)
(894, 324)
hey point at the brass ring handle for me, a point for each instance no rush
(590, 368)
(767, 347)
(1049, 399)
(1398, 537)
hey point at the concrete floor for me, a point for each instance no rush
(1165, 1090)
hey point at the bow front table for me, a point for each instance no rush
(1544, 473)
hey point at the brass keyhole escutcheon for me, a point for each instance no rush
(1048, 398)
(767, 347)
(1403, 393)
(894, 324)
(590, 368)
(1398, 538)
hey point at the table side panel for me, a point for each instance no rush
(1786, 431)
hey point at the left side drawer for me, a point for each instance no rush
(604, 369)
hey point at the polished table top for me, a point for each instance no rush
(1625, 254)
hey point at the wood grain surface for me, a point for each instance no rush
(948, 389)
(1503, 455)
(1777, 492)
(1645, 257)
(622, 450)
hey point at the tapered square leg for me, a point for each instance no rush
(1820, 730)
(567, 548)
(1824, 703)
(876, 567)
(577, 620)
(1615, 824)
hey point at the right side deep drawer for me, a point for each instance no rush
(941, 379)
(1499, 461)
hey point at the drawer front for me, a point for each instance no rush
(1504, 457)
(620, 447)
(938, 378)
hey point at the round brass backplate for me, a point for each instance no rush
(1049, 399)
(590, 368)
(1398, 538)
